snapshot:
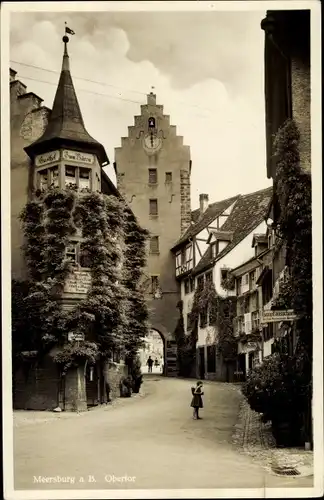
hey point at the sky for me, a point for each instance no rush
(206, 69)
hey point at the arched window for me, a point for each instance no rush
(151, 122)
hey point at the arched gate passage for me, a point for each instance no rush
(169, 358)
(169, 351)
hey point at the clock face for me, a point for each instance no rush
(152, 143)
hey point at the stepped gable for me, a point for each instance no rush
(65, 127)
(210, 214)
(248, 212)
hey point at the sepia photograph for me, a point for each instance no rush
(162, 220)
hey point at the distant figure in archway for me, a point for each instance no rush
(150, 364)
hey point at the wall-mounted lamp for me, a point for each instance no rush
(172, 196)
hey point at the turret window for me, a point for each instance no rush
(43, 180)
(84, 178)
(54, 177)
(168, 177)
(78, 177)
(70, 176)
(48, 177)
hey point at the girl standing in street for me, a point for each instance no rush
(197, 402)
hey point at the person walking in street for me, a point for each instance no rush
(156, 363)
(197, 402)
(150, 364)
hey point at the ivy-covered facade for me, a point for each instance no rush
(79, 315)
(282, 387)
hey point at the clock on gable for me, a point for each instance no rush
(152, 143)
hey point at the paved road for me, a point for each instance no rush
(152, 440)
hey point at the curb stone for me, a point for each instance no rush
(254, 438)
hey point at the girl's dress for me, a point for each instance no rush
(196, 401)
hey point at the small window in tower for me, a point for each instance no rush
(168, 177)
(42, 179)
(154, 244)
(71, 253)
(152, 176)
(54, 177)
(84, 178)
(70, 175)
(153, 207)
(151, 122)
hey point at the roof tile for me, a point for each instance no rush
(210, 214)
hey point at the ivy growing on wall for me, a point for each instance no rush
(294, 227)
(228, 281)
(113, 314)
(221, 311)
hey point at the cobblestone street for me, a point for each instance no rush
(150, 438)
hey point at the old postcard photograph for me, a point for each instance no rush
(162, 249)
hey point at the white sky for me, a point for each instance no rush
(206, 67)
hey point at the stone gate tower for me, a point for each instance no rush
(153, 174)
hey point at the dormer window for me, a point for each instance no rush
(214, 250)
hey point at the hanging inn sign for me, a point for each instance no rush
(278, 316)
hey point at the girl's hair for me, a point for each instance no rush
(199, 382)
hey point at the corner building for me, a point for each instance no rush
(153, 174)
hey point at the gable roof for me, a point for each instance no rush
(221, 235)
(210, 214)
(248, 212)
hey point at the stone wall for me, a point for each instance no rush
(301, 102)
(37, 388)
(28, 119)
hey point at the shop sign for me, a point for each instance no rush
(47, 158)
(278, 316)
(77, 156)
(75, 337)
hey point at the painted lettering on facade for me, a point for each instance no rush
(47, 158)
(78, 282)
(78, 157)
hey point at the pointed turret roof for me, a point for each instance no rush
(65, 127)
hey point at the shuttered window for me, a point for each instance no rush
(154, 244)
(153, 207)
(152, 176)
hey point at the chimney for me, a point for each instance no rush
(203, 203)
